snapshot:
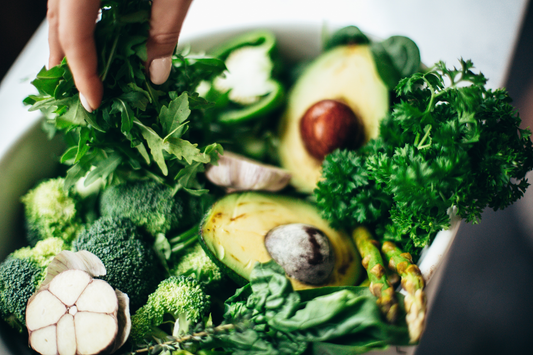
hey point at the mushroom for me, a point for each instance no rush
(238, 173)
(304, 252)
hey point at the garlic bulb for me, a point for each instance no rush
(74, 313)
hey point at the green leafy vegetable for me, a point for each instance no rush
(346, 35)
(140, 130)
(396, 57)
(450, 142)
(268, 317)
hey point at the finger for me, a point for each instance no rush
(165, 25)
(56, 52)
(77, 20)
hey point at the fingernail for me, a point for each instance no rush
(85, 103)
(160, 70)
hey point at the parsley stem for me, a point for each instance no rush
(421, 144)
(110, 58)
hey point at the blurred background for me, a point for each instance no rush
(482, 305)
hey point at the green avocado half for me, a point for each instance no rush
(347, 74)
(233, 235)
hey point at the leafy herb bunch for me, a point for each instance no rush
(140, 129)
(449, 142)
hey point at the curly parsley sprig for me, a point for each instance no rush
(450, 141)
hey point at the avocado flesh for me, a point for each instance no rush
(234, 230)
(344, 73)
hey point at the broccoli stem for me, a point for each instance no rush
(183, 240)
(413, 284)
(380, 286)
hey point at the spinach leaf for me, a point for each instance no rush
(404, 54)
(346, 35)
(395, 57)
(279, 320)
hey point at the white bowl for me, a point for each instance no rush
(33, 157)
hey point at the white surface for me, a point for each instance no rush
(481, 30)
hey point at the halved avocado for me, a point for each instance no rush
(233, 235)
(346, 74)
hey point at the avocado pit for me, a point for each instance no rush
(328, 125)
(304, 252)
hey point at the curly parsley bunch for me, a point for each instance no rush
(449, 142)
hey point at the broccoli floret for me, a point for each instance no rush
(51, 211)
(176, 306)
(21, 274)
(195, 263)
(19, 279)
(43, 252)
(147, 203)
(131, 264)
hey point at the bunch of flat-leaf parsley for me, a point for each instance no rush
(449, 142)
(140, 130)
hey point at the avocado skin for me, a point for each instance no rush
(347, 74)
(240, 235)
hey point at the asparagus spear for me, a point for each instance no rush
(413, 284)
(380, 286)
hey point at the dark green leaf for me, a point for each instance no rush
(126, 113)
(83, 144)
(47, 80)
(174, 115)
(103, 168)
(404, 54)
(345, 36)
(384, 65)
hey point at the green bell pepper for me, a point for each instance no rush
(247, 90)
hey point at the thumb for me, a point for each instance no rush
(165, 25)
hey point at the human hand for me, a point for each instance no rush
(71, 35)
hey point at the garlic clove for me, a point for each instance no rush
(238, 173)
(124, 320)
(46, 310)
(43, 340)
(66, 339)
(95, 332)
